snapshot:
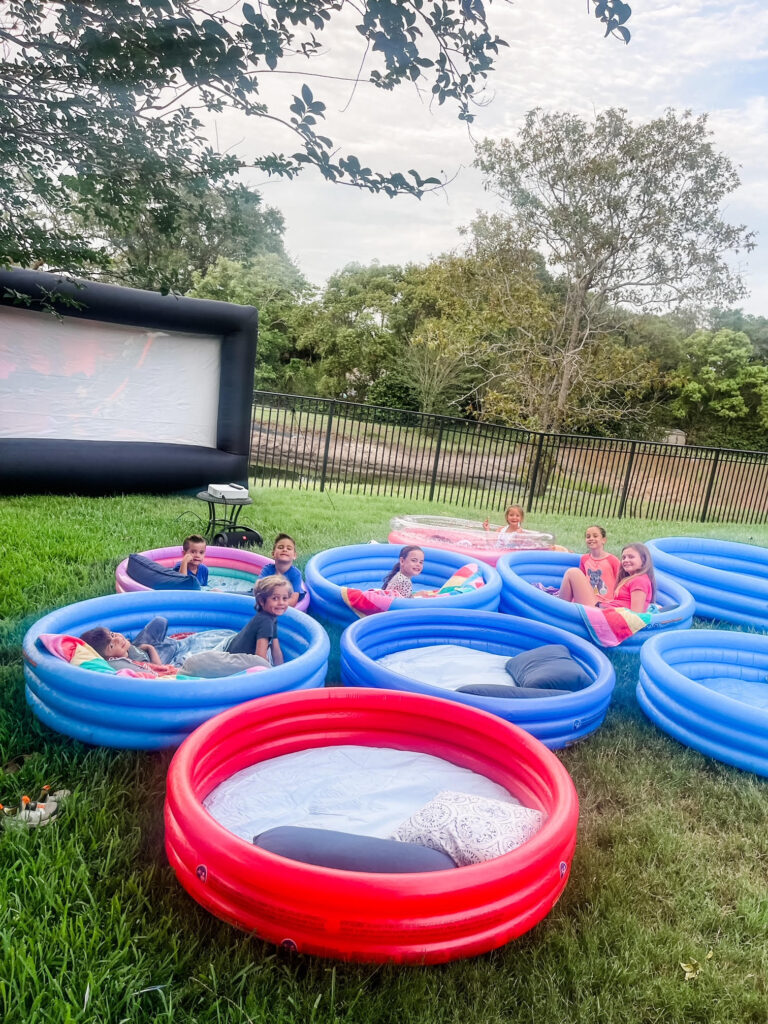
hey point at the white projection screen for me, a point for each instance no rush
(94, 381)
(130, 391)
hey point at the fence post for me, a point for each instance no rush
(331, 410)
(436, 463)
(535, 473)
(710, 485)
(627, 476)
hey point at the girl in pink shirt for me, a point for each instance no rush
(635, 583)
(599, 566)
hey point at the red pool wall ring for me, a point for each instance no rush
(238, 559)
(406, 918)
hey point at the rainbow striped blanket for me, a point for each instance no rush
(610, 627)
(369, 602)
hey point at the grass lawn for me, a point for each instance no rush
(671, 864)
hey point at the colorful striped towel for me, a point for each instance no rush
(369, 602)
(610, 627)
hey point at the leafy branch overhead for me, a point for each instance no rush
(100, 102)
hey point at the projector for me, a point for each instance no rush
(227, 491)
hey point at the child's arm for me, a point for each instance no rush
(293, 600)
(486, 525)
(154, 657)
(262, 647)
(637, 601)
(277, 653)
(184, 564)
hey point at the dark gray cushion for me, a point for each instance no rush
(548, 668)
(510, 692)
(158, 577)
(330, 849)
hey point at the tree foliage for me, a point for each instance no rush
(625, 215)
(99, 103)
(275, 286)
(720, 390)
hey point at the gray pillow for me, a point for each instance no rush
(548, 668)
(330, 849)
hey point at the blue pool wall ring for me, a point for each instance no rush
(556, 721)
(728, 580)
(364, 566)
(677, 690)
(519, 570)
(138, 714)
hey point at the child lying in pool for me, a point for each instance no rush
(152, 644)
(257, 640)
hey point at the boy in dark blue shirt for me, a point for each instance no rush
(284, 554)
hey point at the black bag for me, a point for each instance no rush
(242, 537)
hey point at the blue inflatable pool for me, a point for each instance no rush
(364, 566)
(519, 570)
(708, 689)
(728, 581)
(139, 714)
(556, 721)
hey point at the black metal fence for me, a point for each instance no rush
(323, 443)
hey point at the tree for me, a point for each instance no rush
(147, 248)
(625, 215)
(351, 330)
(720, 390)
(99, 101)
(279, 291)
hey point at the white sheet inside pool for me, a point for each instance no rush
(449, 665)
(365, 790)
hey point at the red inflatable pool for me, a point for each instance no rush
(409, 918)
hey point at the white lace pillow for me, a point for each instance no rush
(469, 828)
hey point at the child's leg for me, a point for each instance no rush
(153, 633)
(577, 588)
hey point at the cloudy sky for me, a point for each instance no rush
(705, 55)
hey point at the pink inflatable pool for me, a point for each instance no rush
(231, 569)
(466, 536)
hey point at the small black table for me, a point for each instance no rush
(231, 510)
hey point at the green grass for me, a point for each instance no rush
(672, 858)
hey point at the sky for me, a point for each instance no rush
(708, 56)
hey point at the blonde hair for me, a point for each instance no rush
(266, 585)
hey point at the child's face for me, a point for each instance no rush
(196, 553)
(117, 647)
(412, 564)
(284, 552)
(631, 560)
(514, 519)
(276, 602)
(594, 538)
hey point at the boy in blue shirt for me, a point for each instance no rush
(284, 554)
(191, 563)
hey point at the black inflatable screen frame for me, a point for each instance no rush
(59, 466)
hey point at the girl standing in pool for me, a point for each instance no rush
(635, 583)
(409, 564)
(514, 517)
